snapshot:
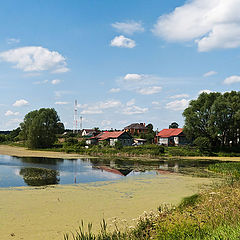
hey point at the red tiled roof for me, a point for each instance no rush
(165, 133)
(107, 135)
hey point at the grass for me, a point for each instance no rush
(211, 214)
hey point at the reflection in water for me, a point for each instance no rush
(39, 176)
(35, 171)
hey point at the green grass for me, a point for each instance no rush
(213, 214)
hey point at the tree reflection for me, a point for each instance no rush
(39, 176)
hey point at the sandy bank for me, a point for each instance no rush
(24, 152)
(46, 213)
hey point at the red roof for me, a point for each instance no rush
(107, 135)
(165, 133)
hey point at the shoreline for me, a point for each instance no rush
(24, 152)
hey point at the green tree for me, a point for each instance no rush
(40, 127)
(173, 125)
(214, 116)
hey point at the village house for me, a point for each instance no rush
(112, 137)
(171, 137)
(88, 132)
(136, 128)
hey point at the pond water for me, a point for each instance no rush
(35, 171)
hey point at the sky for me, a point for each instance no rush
(123, 61)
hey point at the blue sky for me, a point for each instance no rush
(124, 61)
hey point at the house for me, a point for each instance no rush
(171, 137)
(136, 128)
(88, 132)
(112, 137)
(139, 141)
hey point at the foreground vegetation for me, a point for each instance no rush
(211, 214)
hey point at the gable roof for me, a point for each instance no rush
(165, 133)
(106, 135)
(136, 126)
(88, 130)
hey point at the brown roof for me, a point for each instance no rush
(165, 133)
(136, 126)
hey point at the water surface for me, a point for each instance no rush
(36, 171)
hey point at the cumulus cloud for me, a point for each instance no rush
(129, 27)
(20, 103)
(55, 81)
(205, 91)
(131, 110)
(61, 103)
(35, 59)
(114, 90)
(149, 90)
(141, 83)
(177, 105)
(209, 74)
(232, 79)
(211, 24)
(121, 41)
(11, 113)
(179, 96)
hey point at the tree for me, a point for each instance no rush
(173, 125)
(214, 116)
(40, 127)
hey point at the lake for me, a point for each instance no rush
(35, 171)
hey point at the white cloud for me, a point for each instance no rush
(31, 59)
(13, 40)
(209, 74)
(131, 102)
(149, 90)
(211, 24)
(133, 76)
(128, 27)
(140, 83)
(177, 105)
(41, 82)
(61, 103)
(114, 90)
(55, 81)
(180, 96)
(20, 103)
(11, 113)
(232, 79)
(98, 107)
(131, 110)
(121, 41)
(205, 91)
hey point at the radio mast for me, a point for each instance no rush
(75, 123)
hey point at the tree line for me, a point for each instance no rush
(214, 119)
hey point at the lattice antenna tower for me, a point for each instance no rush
(81, 121)
(75, 124)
